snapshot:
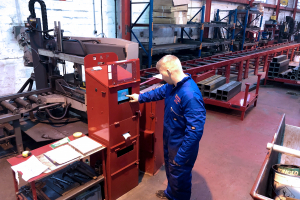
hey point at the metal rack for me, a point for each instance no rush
(167, 48)
(244, 26)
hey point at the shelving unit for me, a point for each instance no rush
(149, 50)
(275, 32)
(243, 27)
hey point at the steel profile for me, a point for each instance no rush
(215, 83)
(220, 89)
(201, 83)
(231, 91)
(279, 58)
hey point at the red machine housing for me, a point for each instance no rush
(110, 117)
(151, 136)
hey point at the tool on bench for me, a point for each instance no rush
(82, 171)
(56, 183)
(86, 170)
(61, 180)
(71, 176)
(81, 175)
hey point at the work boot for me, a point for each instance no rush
(161, 194)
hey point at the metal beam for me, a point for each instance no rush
(207, 17)
(62, 56)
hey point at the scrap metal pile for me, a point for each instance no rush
(279, 67)
(215, 87)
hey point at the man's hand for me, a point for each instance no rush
(133, 97)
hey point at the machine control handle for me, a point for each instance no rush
(138, 113)
(116, 123)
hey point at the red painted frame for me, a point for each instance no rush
(239, 61)
(241, 102)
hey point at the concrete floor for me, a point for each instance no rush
(231, 151)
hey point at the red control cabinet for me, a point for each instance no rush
(113, 120)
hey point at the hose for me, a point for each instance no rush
(43, 10)
(58, 118)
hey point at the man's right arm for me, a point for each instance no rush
(153, 95)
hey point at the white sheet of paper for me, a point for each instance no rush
(62, 154)
(85, 144)
(126, 135)
(29, 168)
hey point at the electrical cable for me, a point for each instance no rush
(61, 117)
(27, 44)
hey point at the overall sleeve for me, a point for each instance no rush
(195, 116)
(153, 95)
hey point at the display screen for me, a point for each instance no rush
(122, 95)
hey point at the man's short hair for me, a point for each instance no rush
(169, 62)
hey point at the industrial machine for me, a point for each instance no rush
(59, 99)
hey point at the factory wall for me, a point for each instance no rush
(76, 17)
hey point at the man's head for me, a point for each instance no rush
(170, 68)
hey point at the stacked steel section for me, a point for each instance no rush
(215, 87)
(278, 65)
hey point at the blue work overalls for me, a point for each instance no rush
(183, 128)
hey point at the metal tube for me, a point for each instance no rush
(95, 29)
(34, 99)
(285, 150)
(23, 103)
(10, 107)
(215, 83)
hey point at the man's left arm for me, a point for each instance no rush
(195, 116)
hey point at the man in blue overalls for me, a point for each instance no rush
(183, 125)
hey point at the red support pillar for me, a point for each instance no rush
(277, 9)
(126, 11)
(256, 66)
(266, 63)
(240, 74)
(227, 73)
(246, 69)
(250, 16)
(245, 100)
(207, 17)
(295, 9)
(292, 54)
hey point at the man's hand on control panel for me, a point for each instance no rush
(133, 97)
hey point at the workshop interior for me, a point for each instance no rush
(68, 130)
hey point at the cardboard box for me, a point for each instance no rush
(170, 2)
(179, 8)
(163, 20)
(180, 2)
(170, 15)
(169, 9)
(167, 20)
(163, 3)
